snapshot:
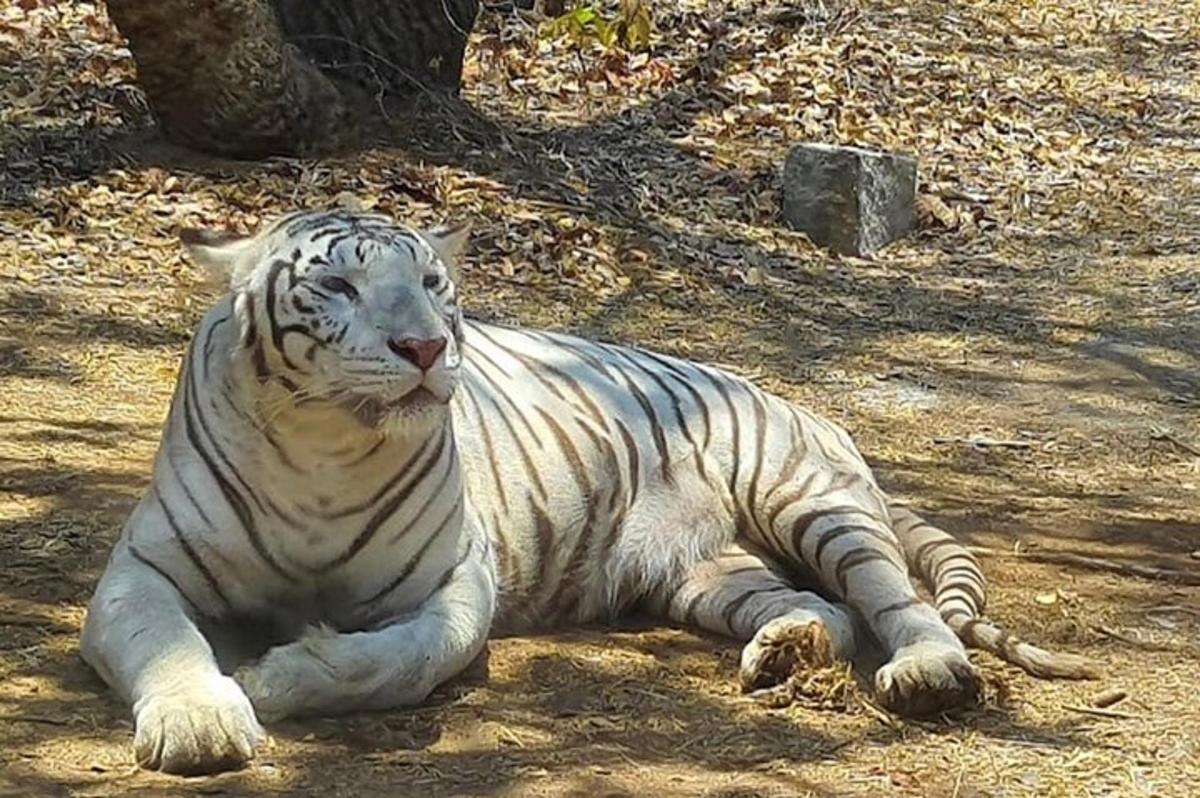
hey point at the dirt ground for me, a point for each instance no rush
(1024, 368)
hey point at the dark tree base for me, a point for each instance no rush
(237, 77)
(390, 47)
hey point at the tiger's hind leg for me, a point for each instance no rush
(850, 544)
(741, 593)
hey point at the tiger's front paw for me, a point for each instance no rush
(927, 678)
(199, 728)
(324, 673)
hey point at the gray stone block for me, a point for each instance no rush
(851, 200)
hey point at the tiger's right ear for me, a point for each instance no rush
(223, 254)
(450, 241)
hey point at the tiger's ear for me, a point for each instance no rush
(450, 241)
(222, 253)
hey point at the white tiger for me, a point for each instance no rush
(366, 486)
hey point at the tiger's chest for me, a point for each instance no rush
(311, 539)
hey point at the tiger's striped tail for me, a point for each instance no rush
(953, 576)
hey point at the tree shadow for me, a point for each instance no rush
(1123, 349)
(573, 718)
(601, 172)
(16, 361)
(563, 718)
(60, 321)
(1019, 505)
(69, 117)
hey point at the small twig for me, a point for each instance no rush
(1164, 435)
(9, 619)
(19, 620)
(1172, 608)
(1108, 631)
(1109, 697)
(958, 781)
(838, 746)
(35, 719)
(1102, 713)
(986, 443)
(966, 196)
(882, 715)
(1095, 563)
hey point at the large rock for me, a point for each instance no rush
(852, 200)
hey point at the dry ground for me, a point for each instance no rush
(1049, 301)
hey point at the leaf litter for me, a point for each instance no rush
(623, 181)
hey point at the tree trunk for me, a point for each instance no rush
(389, 47)
(233, 77)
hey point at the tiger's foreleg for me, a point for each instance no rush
(742, 594)
(140, 636)
(399, 664)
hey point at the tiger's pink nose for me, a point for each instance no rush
(421, 354)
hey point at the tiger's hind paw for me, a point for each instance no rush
(926, 679)
(798, 640)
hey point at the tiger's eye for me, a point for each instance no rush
(431, 281)
(338, 285)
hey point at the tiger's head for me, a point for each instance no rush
(345, 308)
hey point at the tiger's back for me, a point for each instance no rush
(602, 471)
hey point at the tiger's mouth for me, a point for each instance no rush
(372, 411)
